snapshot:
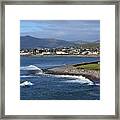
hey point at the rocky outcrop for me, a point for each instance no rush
(72, 70)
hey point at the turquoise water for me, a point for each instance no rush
(37, 85)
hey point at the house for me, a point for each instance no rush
(24, 53)
(46, 53)
(61, 53)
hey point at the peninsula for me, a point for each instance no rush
(90, 70)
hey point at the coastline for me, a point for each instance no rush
(93, 75)
(72, 69)
(61, 55)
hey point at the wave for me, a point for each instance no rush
(26, 83)
(80, 81)
(26, 76)
(98, 84)
(75, 79)
(32, 69)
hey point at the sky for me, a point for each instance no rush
(70, 30)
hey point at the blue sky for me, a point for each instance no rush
(87, 30)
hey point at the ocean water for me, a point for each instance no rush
(36, 85)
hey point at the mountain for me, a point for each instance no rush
(32, 42)
(87, 44)
(81, 42)
(86, 41)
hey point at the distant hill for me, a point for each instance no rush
(86, 41)
(90, 44)
(32, 42)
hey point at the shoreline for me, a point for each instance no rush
(60, 55)
(93, 75)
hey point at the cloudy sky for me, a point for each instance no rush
(88, 30)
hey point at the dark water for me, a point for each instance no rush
(41, 86)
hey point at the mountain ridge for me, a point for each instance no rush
(33, 42)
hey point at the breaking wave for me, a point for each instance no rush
(98, 84)
(88, 82)
(26, 76)
(26, 83)
(32, 69)
(75, 79)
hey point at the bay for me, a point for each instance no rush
(42, 86)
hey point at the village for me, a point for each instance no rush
(60, 51)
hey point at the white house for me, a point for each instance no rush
(61, 53)
(46, 53)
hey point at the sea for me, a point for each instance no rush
(37, 85)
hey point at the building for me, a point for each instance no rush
(61, 53)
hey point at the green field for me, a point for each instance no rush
(92, 66)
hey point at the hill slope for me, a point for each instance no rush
(32, 42)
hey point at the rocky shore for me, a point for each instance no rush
(73, 70)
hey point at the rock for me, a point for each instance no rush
(71, 70)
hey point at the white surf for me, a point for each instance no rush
(26, 83)
(31, 68)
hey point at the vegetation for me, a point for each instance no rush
(92, 66)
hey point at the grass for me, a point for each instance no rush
(92, 66)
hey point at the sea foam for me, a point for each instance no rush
(75, 79)
(88, 82)
(26, 83)
(26, 76)
(32, 68)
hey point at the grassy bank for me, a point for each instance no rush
(90, 70)
(92, 66)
